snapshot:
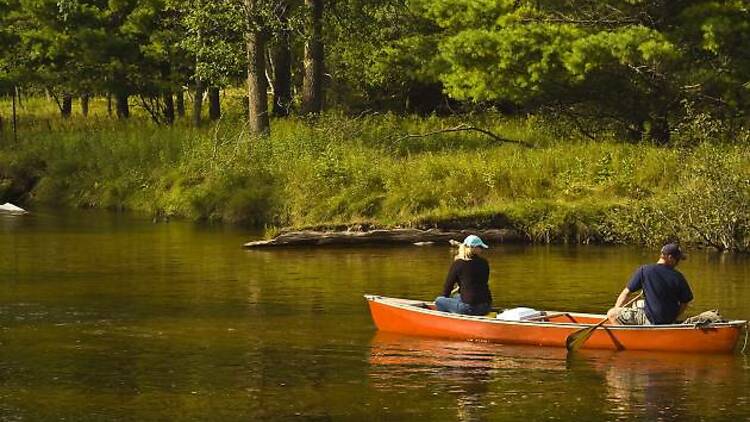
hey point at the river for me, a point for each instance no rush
(111, 317)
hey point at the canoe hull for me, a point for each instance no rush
(409, 317)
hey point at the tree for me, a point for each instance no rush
(257, 95)
(382, 54)
(121, 48)
(214, 103)
(312, 85)
(281, 60)
(213, 37)
(49, 33)
(10, 56)
(629, 62)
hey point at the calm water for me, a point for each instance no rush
(107, 317)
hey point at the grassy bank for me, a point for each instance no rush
(364, 171)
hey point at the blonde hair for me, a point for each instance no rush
(465, 253)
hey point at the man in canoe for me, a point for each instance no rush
(665, 289)
(471, 272)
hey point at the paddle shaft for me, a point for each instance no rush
(576, 339)
(547, 316)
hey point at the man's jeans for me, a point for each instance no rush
(455, 306)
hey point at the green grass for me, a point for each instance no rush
(340, 170)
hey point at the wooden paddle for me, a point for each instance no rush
(575, 340)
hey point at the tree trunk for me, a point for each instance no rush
(85, 105)
(256, 77)
(109, 105)
(282, 71)
(67, 106)
(658, 131)
(312, 84)
(198, 102)
(19, 97)
(168, 100)
(15, 119)
(121, 105)
(168, 108)
(180, 102)
(214, 103)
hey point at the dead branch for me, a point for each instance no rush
(56, 98)
(464, 128)
(153, 107)
(583, 22)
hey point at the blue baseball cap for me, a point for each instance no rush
(474, 241)
(674, 250)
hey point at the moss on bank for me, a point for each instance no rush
(339, 171)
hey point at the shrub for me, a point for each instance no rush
(340, 171)
(712, 204)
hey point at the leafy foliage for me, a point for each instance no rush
(343, 171)
(629, 62)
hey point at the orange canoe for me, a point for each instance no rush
(415, 317)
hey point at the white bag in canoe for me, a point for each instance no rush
(519, 314)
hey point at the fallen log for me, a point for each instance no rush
(381, 236)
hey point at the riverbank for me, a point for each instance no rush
(378, 171)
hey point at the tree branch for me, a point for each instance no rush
(585, 22)
(153, 108)
(464, 128)
(56, 98)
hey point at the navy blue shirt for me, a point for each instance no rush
(665, 289)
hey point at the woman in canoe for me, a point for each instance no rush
(471, 273)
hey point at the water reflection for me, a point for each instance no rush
(415, 352)
(659, 386)
(477, 381)
(486, 380)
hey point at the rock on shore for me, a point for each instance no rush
(8, 208)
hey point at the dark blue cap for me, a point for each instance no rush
(674, 250)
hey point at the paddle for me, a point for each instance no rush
(576, 339)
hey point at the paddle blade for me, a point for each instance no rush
(575, 340)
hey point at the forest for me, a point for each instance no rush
(609, 121)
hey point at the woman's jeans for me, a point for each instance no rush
(455, 306)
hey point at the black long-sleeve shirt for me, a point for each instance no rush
(472, 277)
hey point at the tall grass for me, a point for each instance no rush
(339, 170)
